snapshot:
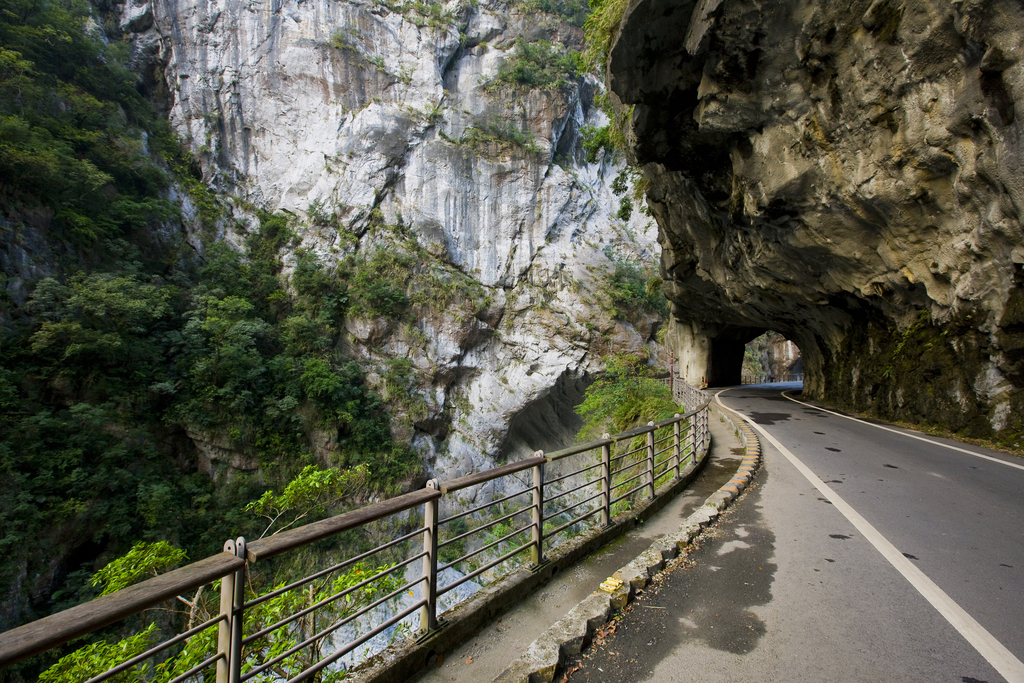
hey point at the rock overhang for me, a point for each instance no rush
(846, 174)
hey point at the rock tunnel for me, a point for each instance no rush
(857, 190)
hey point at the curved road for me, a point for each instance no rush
(862, 553)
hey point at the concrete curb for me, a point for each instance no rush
(568, 636)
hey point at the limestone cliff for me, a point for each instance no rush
(848, 174)
(347, 114)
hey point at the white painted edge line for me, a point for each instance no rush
(1008, 666)
(906, 434)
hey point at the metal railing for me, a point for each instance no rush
(769, 379)
(684, 393)
(299, 639)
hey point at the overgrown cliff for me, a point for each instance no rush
(847, 174)
(241, 238)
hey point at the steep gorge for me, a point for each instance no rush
(849, 175)
(379, 245)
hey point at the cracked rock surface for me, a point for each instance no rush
(848, 174)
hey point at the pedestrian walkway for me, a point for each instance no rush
(489, 653)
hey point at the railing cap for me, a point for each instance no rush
(57, 629)
(488, 475)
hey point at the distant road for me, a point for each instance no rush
(862, 554)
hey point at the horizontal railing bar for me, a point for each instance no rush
(663, 450)
(123, 666)
(667, 466)
(342, 565)
(483, 548)
(478, 508)
(633, 433)
(255, 671)
(574, 505)
(566, 526)
(635, 450)
(329, 599)
(57, 629)
(571, 474)
(304, 535)
(688, 414)
(482, 527)
(573, 450)
(633, 478)
(197, 668)
(327, 661)
(576, 450)
(572, 490)
(488, 475)
(472, 575)
(629, 493)
(629, 467)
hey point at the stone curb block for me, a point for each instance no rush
(573, 632)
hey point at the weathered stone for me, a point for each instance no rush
(859, 189)
(343, 113)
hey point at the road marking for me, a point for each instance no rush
(1008, 666)
(901, 433)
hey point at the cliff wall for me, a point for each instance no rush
(350, 114)
(849, 175)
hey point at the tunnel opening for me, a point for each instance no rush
(751, 355)
(771, 357)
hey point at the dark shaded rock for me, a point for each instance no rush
(847, 174)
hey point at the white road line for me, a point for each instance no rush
(911, 436)
(1008, 666)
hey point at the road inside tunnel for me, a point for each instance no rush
(787, 587)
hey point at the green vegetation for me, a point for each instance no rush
(595, 139)
(432, 13)
(633, 287)
(313, 489)
(540, 65)
(135, 349)
(70, 126)
(625, 396)
(574, 12)
(496, 134)
(755, 355)
(600, 28)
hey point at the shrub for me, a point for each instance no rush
(535, 66)
(624, 397)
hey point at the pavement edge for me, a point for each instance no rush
(571, 634)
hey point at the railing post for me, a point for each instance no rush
(675, 445)
(428, 613)
(703, 428)
(537, 553)
(227, 600)
(606, 483)
(650, 462)
(694, 430)
(237, 616)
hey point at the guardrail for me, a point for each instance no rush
(253, 642)
(683, 393)
(769, 379)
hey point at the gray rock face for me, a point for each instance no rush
(370, 111)
(848, 174)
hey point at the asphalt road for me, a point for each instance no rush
(795, 583)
